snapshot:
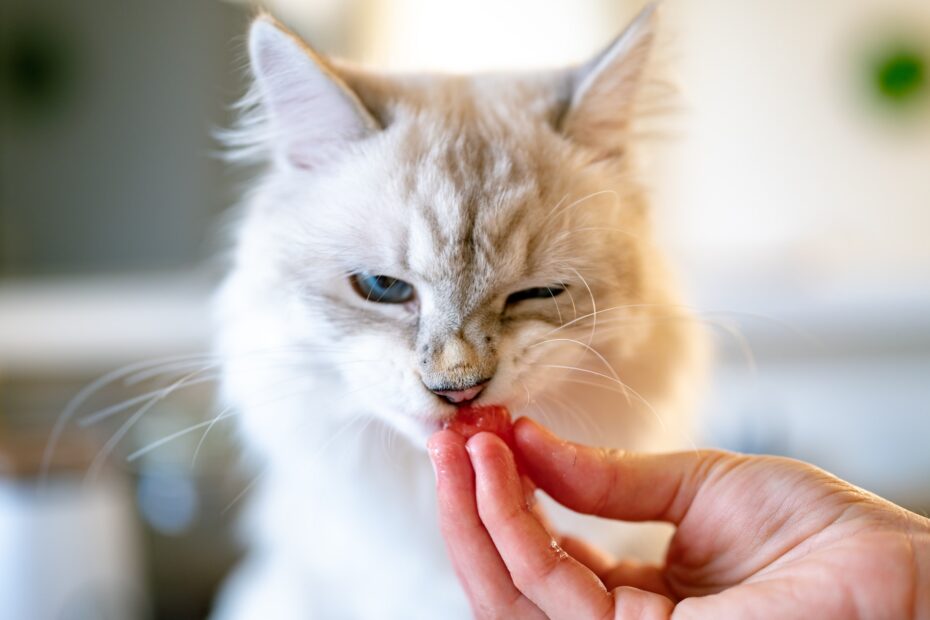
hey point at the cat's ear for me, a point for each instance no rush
(312, 111)
(604, 89)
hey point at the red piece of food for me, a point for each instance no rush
(469, 421)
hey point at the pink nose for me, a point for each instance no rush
(461, 396)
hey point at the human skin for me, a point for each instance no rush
(756, 537)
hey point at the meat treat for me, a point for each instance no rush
(469, 421)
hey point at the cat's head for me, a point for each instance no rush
(443, 239)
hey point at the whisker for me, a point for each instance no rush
(145, 375)
(556, 302)
(73, 406)
(97, 463)
(527, 390)
(593, 306)
(572, 298)
(591, 350)
(151, 447)
(581, 200)
(598, 430)
(315, 456)
(102, 414)
(636, 394)
(593, 315)
(275, 355)
(557, 205)
(609, 388)
(543, 412)
(222, 413)
(728, 328)
(603, 229)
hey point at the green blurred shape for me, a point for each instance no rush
(900, 75)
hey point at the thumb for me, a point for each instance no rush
(615, 484)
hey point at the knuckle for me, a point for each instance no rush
(536, 572)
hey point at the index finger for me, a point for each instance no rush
(557, 583)
(474, 557)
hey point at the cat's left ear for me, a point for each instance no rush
(312, 111)
(604, 89)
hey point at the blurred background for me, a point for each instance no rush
(792, 176)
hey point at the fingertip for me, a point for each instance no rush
(540, 449)
(445, 450)
(485, 443)
(491, 458)
(529, 432)
(442, 439)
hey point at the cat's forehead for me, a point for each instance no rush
(473, 195)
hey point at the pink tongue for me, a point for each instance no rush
(461, 396)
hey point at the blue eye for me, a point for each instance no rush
(381, 289)
(540, 292)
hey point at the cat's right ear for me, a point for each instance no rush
(604, 90)
(312, 111)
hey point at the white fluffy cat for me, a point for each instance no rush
(418, 241)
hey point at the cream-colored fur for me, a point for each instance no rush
(470, 188)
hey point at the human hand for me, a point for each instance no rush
(757, 537)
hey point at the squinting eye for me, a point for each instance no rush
(541, 292)
(381, 289)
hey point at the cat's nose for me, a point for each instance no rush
(463, 395)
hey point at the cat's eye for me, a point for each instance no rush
(539, 292)
(381, 289)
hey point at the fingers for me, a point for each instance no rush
(631, 487)
(558, 584)
(476, 561)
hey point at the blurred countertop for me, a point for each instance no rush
(82, 326)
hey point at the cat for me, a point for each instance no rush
(416, 243)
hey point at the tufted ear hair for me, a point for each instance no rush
(604, 89)
(312, 111)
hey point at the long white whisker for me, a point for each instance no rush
(557, 205)
(283, 355)
(102, 414)
(74, 405)
(583, 199)
(593, 306)
(176, 435)
(581, 415)
(602, 229)
(593, 315)
(556, 302)
(527, 390)
(727, 327)
(591, 350)
(543, 412)
(636, 394)
(104, 452)
(145, 375)
(572, 298)
(609, 388)
(315, 456)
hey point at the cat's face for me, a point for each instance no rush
(448, 240)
